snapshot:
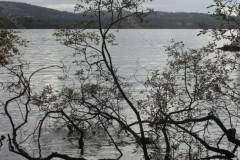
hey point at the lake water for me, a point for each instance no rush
(137, 51)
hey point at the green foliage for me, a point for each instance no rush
(185, 105)
(227, 11)
(9, 44)
(196, 83)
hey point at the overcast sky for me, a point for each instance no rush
(160, 5)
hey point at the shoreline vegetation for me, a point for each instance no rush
(230, 48)
(173, 112)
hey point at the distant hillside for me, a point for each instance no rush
(182, 21)
(21, 15)
(31, 16)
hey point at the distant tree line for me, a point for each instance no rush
(34, 17)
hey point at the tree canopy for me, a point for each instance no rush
(188, 110)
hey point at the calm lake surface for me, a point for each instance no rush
(137, 51)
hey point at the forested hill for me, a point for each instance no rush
(21, 15)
